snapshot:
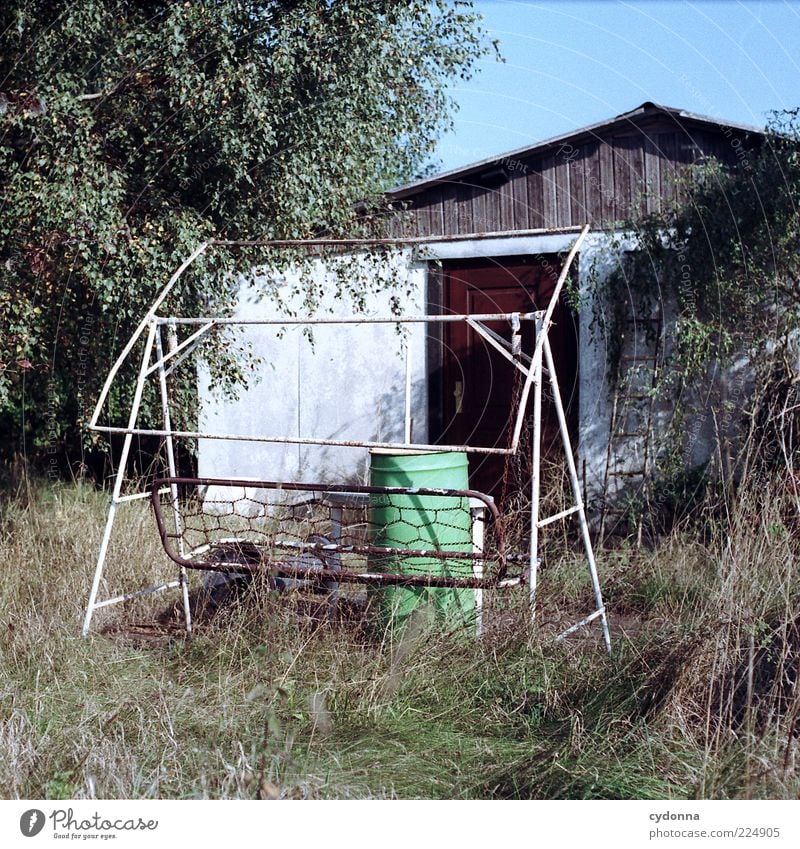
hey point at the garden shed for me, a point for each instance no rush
(488, 238)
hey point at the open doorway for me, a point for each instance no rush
(476, 386)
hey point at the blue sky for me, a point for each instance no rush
(572, 63)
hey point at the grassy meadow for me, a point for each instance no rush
(268, 700)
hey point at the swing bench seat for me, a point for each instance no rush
(323, 535)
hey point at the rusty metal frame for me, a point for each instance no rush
(267, 562)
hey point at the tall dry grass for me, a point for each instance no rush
(699, 699)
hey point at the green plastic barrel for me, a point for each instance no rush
(425, 522)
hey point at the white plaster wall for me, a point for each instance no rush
(715, 406)
(604, 256)
(598, 259)
(348, 384)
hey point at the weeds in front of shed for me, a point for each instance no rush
(271, 700)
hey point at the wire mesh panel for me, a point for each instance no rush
(405, 536)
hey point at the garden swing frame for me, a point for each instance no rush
(160, 357)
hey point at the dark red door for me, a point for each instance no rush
(478, 384)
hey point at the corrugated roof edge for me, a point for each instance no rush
(648, 107)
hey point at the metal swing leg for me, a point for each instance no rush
(116, 495)
(579, 508)
(536, 462)
(173, 473)
(117, 499)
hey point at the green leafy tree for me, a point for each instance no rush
(131, 131)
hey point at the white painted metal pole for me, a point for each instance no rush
(437, 318)
(158, 588)
(536, 451)
(513, 358)
(172, 344)
(140, 329)
(576, 491)
(185, 349)
(117, 491)
(543, 324)
(301, 440)
(548, 316)
(478, 517)
(400, 240)
(407, 430)
(101, 559)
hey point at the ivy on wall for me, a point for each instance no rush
(726, 261)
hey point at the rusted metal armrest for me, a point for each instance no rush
(248, 557)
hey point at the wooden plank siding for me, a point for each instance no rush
(506, 204)
(563, 199)
(577, 183)
(536, 215)
(621, 151)
(669, 172)
(592, 182)
(549, 210)
(464, 216)
(602, 177)
(521, 208)
(436, 211)
(652, 176)
(449, 209)
(607, 211)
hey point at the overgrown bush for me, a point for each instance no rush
(722, 268)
